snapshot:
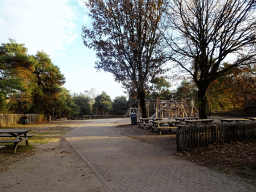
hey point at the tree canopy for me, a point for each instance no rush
(103, 104)
(16, 68)
(127, 40)
(28, 83)
(83, 102)
(120, 105)
(234, 91)
(48, 79)
(204, 34)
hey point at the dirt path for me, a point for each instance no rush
(54, 167)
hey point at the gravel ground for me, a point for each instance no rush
(55, 166)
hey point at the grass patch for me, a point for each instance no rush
(43, 139)
(37, 140)
(43, 133)
(9, 148)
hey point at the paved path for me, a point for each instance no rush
(125, 164)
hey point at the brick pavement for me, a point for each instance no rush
(126, 164)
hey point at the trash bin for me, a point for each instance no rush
(25, 120)
(133, 118)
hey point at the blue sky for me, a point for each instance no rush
(55, 26)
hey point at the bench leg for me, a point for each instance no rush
(15, 147)
(27, 142)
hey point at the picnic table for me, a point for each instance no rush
(19, 134)
(145, 121)
(185, 118)
(231, 120)
(159, 125)
(205, 121)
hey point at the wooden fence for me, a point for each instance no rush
(191, 136)
(9, 119)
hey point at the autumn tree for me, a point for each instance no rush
(16, 75)
(48, 80)
(127, 40)
(234, 91)
(207, 33)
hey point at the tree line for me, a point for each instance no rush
(33, 84)
(28, 83)
(134, 39)
(140, 42)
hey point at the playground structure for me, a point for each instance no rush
(166, 109)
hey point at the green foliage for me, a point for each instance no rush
(65, 104)
(49, 80)
(160, 89)
(187, 90)
(3, 103)
(16, 68)
(32, 84)
(83, 102)
(120, 105)
(160, 84)
(166, 94)
(103, 104)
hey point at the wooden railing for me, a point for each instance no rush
(192, 136)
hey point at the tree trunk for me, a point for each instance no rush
(201, 94)
(141, 96)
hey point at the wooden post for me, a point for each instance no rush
(168, 109)
(177, 109)
(148, 107)
(157, 103)
(161, 108)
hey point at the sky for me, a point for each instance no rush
(55, 27)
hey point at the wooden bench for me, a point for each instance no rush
(199, 121)
(147, 122)
(20, 135)
(15, 142)
(165, 127)
(233, 120)
(3, 135)
(167, 124)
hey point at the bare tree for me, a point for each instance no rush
(127, 40)
(204, 34)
